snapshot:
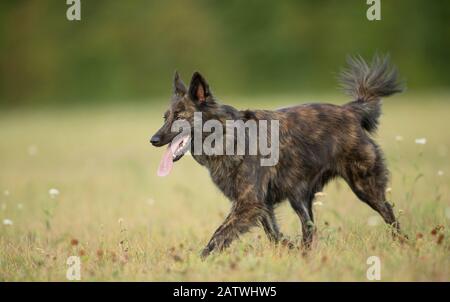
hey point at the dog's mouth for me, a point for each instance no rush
(181, 147)
(176, 149)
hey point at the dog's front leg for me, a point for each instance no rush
(244, 214)
(270, 226)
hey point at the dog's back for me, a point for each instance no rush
(321, 141)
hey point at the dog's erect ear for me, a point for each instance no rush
(178, 86)
(199, 88)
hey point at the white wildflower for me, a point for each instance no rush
(19, 206)
(440, 173)
(120, 220)
(373, 221)
(7, 221)
(6, 193)
(399, 138)
(421, 141)
(42, 251)
(388, 190)
(150, 201)
(32, 150)
(53, 192)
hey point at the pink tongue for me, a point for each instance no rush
(166, 164)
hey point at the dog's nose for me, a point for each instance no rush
(156, 139)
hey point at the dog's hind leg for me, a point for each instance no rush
(369, 184)
(366, 191)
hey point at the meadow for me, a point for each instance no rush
(82, 181)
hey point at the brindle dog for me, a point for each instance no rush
(317, 142)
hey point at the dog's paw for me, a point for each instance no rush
(207, 250)
(287, 243)
(205, 253)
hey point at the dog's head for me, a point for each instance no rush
(182, 106)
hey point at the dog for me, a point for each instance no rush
(317, 143)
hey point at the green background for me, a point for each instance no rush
(129, 50)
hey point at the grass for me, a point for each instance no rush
(125, 223)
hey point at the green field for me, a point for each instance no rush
(128, 224)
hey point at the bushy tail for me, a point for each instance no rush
(367, 84)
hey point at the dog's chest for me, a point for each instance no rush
(222, 172)
(225, 183)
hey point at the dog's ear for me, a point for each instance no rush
(199, 89)
(178, 86)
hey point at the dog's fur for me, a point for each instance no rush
(318, 142)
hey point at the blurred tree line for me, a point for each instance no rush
(123, 50)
